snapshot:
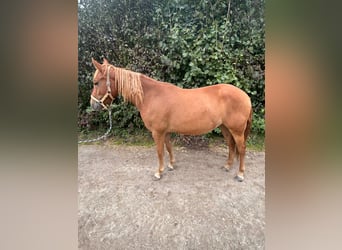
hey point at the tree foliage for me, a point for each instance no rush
(187, 43)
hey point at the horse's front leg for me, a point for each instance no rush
(159, 139)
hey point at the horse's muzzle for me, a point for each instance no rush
(95, 105)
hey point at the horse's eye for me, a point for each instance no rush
(96, 83)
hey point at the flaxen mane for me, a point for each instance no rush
(128, 85)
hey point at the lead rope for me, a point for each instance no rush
(109, 112)
(106, 134)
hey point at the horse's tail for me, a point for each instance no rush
(249, 125)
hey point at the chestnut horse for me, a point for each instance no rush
(166, 108)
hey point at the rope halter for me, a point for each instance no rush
(108, 93)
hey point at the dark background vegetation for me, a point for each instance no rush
(188, 43)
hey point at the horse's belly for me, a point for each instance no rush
(195, 126)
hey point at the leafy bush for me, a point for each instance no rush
(188, 43)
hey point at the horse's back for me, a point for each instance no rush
(223, 90)
(194, 111)
(232, 92)
(226, 95)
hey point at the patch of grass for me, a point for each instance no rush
(256, 142)
(90, 135)
(135, 138)
(143, 137)
(132, 138)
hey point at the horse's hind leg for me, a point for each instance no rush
(241, 147)
(169, 149)
(159, 139)
(231, 145)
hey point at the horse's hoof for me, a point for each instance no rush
(239, 178)
(170, 167)
(156, 177)
(227, 168)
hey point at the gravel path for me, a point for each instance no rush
(199, 205)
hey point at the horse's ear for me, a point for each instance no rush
(105, 61)
(96, 64)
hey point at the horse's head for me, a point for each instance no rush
(104, 92)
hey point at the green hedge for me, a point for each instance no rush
(187, 43)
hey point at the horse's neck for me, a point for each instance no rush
(150, 88)
(153, 89)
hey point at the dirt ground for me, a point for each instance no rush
(199, 205)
